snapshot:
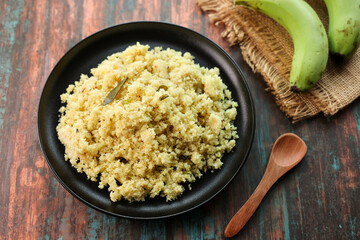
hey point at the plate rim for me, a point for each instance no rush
(251, 117)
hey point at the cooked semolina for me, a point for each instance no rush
(171, 122)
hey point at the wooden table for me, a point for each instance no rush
(319, 199)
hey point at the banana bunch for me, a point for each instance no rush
(344, 27)
(311, 44)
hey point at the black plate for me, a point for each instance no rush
(88, 54)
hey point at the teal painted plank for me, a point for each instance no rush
(10, 21)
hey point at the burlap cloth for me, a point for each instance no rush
(268, 49)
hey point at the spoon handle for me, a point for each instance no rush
(247, 210)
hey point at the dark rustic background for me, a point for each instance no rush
(319, 199)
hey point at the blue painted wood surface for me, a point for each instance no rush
(319, 199)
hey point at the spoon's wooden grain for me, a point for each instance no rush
(288, 151)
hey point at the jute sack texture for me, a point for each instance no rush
(268, 49)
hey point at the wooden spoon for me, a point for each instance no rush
(288, 150)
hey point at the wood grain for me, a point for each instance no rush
(319, 199)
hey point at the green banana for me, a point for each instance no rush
(311, 49)
(344, 26)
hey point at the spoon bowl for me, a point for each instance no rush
(287, 152)
(288, 149)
